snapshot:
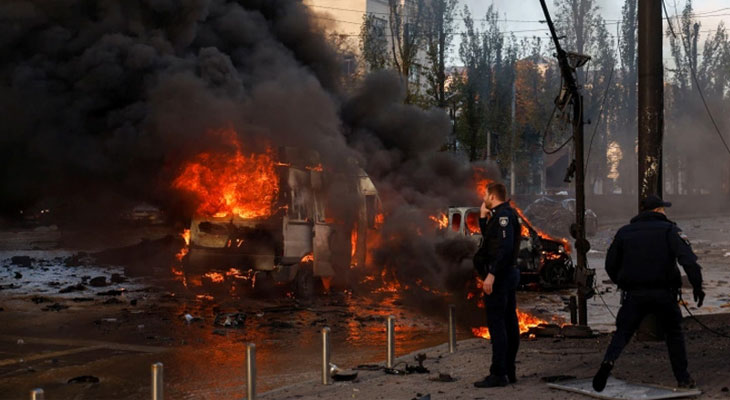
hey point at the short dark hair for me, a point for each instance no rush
(497, 189)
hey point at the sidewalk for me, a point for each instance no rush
(642, 362)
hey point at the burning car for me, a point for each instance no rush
(542, 259)
(275, 218)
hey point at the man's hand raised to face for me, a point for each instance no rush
(488, 284)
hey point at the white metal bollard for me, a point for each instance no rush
(157, 391)
(251, 371)
(326, 354)
(391, 341)
(36, 394)
(452, 328)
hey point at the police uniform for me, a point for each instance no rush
(501, 242)
(642, 261)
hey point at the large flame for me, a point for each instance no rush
(232, 182)
(526, 321)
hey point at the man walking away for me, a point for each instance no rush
(642, 261)
(501, 241)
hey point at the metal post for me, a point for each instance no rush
(157, 391)
(36, 394)
(651, 114)
(452, 329)
(583, 275)
(326, 378)
(251, 371)
(391, 341)
(573, 307)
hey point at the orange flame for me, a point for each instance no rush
(184, 251)
(441, 220)
(246, 185)
(526, 321)
(353, 241)
(214, 276)
(540, 233)
(472, 223)
(307, 258)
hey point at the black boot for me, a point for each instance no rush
(688, 383)
(492, 381)
(599, 381)
(511, 376)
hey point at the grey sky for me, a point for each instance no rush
(530, 10)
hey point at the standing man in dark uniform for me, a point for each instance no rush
(501, 241)
(642, 261)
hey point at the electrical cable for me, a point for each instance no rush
(718, 333)
(598, 122)
(694, 77)
(544, 134)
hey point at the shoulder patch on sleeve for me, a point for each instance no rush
(503, 221)
(685, 238)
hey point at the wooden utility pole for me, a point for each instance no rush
(583, 275)
(651, 98)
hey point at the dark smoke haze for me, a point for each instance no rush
(100, 101)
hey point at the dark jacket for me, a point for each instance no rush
(644, 255)
(501, 239)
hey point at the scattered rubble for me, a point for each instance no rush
(114, 292)
(99, 281)
(23, 261)
(84, 379)
(233, 320)
(73, 288)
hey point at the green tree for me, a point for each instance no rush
(439, 33)
(374, 42)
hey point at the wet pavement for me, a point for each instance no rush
(115, 332)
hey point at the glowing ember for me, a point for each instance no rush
(184, 251)
(214, 276)
(441, 220)
(353, 243)
(225, 183)
(525, 320)
(379, 220)
(186, 236)
(316, 168)
(326, 283)
(307, 258)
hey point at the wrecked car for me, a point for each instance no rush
(300, 242)
(543, 260)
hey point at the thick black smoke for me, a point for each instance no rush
(105, 97)
(100, 101)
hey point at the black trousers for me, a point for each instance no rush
(504, 329)
(663, 304)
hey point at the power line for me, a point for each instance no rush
(600, 112)
(694, 76)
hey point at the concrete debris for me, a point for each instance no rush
(232, 320)
(23, 261)
(73, 288)
(555, 217)
(99, 281)
(116, 292)
(84, 379)
(189, 318)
